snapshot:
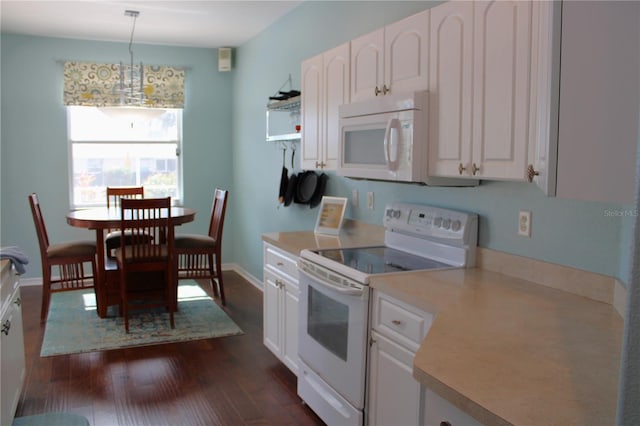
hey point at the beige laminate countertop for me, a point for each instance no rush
(508, 351)
(503, 349)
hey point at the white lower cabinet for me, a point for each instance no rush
(394, 397)
(12, 362)
(439, 412)
(397, 329)
(280, 307)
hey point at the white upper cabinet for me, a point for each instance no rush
(487, 64)
(501, 85)
(393, 59)
(450, 87)
(325, 86)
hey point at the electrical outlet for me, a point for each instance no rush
(524, 223)
(354, 198)
(370, 200)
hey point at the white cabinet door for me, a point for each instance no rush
(393, 59)
(450, 88)
(406, 57)
(367, 65)
(290, 325)
(335, 93)
(501, 84)
(280, 309)
(311, 87)
(272, 308)
(394, 395)
(438, 411)
(12, 362)
(325, 86)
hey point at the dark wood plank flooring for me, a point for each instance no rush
(231, 380)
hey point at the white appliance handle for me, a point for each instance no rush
(392, 143)
(329, 399)
(351, 288)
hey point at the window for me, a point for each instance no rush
(124, 146)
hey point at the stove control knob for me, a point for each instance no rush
(437, 222)
(396, 213)
(389, 212)
(446, 224)
(456, 225)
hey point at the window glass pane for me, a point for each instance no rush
(123, 148)
(123, 124)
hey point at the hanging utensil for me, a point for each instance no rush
(284, 177)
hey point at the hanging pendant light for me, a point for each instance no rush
(132, 75)
(132, 99)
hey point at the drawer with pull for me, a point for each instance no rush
(280, 261)
(399, 321)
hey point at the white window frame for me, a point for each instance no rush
(177, 200)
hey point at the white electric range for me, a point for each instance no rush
(334, 300)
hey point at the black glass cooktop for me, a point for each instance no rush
(377, 260)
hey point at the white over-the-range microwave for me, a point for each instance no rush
(387, 138)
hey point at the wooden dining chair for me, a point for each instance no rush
(196, 253)
(114, 195)
(142, 259)
(70, 258)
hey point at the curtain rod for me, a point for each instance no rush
(179, 67)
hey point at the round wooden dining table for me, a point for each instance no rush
(100, 219)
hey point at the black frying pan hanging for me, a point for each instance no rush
(319, 192)
(291, 189)
(284, 178)
(306, 186)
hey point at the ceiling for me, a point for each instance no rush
(208, 24)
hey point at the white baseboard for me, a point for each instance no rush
(24, 282)
(243, 273)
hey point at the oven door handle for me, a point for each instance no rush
(354, 289)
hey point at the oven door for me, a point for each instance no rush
(333, 315)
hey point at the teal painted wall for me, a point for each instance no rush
(573, 233)
(34, 134)
(224, 128)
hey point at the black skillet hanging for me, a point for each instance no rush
(284, 178)
(306, 186)
(316, 198)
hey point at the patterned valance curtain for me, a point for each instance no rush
(95, 84)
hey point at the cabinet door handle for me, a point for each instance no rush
(377, 91)
(279, 283)
(474, 169)
(396, 322)
(385, 89)
(280, 264)
(18, 301)
(6, 327)
(531, 173)
(445, 423)
(461, 168)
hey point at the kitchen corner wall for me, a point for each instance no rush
(584, 235)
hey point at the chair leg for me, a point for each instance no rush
(212, 274)
(46, 293)
(124, 306)
(219, 276)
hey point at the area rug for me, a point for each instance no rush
(73, 325)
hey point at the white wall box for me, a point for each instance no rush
(394, 396)
(12, 362)
(599, 101)
(280, 308)
(393, 59)
(490, 88)
(325, 86)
